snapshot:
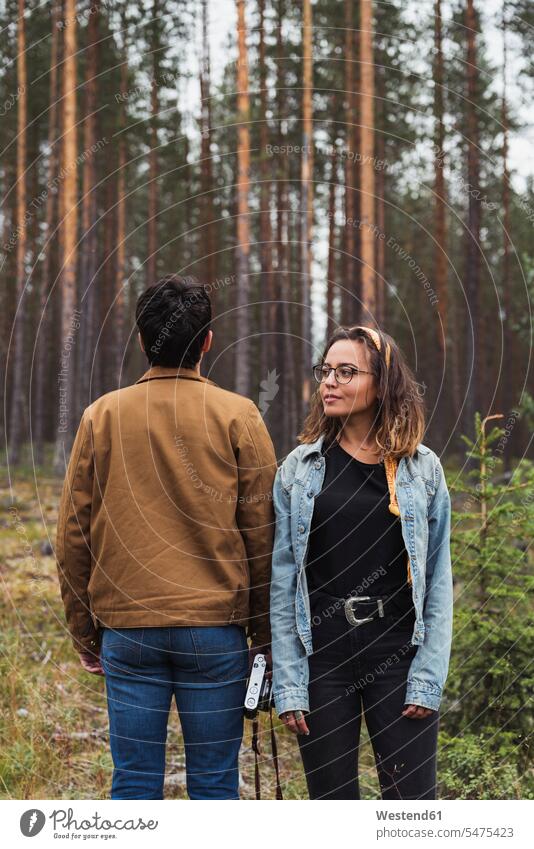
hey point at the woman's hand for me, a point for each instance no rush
(294, 720)
(416, 712)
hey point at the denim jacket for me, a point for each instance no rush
(425, 511)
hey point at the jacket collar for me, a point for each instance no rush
(312, 447)
(162, 372)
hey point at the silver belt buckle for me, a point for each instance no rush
(349, 612)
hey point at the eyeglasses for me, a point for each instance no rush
(343, 374)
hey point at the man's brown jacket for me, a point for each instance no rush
(166, 515)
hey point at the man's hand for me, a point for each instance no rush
(416, 712)
(91, 662)
(294, 720)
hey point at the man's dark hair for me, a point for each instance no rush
(173, 317)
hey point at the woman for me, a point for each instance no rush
(361, 593)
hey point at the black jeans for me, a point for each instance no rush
(365, 667)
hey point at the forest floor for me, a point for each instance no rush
(54, 740)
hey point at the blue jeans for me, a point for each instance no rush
(206, 669)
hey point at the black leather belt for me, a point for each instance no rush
(358, 609)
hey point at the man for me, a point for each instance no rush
(164, 543)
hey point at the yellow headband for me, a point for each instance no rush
(376, 339)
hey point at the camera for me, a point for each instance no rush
(259, 691)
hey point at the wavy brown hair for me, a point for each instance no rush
(400, 416)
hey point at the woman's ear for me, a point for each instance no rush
(141, 342)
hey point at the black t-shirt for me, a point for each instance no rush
(355, 543)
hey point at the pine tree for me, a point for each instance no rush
(306, 203)
(242, 372)
(44, 331)
(367, 145)
(69, 234)
(491, 678)
(17, 429)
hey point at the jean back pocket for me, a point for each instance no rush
(221, 652)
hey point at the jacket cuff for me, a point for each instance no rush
(424, 696)
(90, 641)
(294, 699)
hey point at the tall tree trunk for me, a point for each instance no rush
(472, 386)
(9, 302)
(380, 206)
(440, 220)
(331, 322)
(189, 249)
(508, 380)
(355, 315)
(207, 209)
(42, 354)
(68, 190)
(367, 195)
(152, 227)
(286, 423)
(89, 246)
(206, 173)
(349, 290)
(243, 350)
(35, 277)
(267, 311)
(120, 274)
(440, 199)
(107, 336)
(306, 213)
(17, 429)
